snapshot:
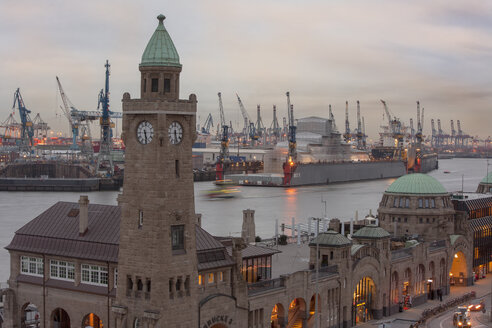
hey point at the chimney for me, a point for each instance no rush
(83, 215)
(248, 232)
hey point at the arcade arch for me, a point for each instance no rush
(30, 316)
(458, 274)
(92, 320)
(297, 312)
(363, 300)
(60, 318)
(277, 316)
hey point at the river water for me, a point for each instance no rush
(224, 217)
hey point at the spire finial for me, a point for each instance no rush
(161, 18)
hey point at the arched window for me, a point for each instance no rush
(136, 323)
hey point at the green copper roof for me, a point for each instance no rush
(371, 231)
(487, 179)
(416, 183)
(330, 238)
(160, 50)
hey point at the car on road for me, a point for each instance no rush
(477, 305)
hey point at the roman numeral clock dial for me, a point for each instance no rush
(175, 133)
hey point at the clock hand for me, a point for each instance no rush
(145, 135)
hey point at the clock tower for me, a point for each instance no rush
(157, 266)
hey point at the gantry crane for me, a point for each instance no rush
(259, 127)
(453, 134)
(223, 156)
(27, 130)
(290, 164)
(411, 137)
(434, 141)
(418, 135)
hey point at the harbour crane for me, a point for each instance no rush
(291, 163)
(419, 136)
(209, 122)
(40, 127)
(104, 157)
(246, 119)
(347, 136)
(360, 135)
(453, 134)
(259, 127)
(223, 156)
(412, 131)
(332, 118)
(27, 129)
(395, 128)
(275, 129)
(434, 134)
(440, 133)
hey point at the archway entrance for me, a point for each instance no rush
(30, 316)
(277, 316)
(91, 320)
(297, 312)
(60, 318)
(458, 274)
(363, 301)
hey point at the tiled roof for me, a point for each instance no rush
(56, 232)
(372, 232)
(416, 183)
(330, 238)
(160, 50)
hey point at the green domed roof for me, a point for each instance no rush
(487, 179)
(371, 231)
(330, 238)
(160, 50)
(416, 183)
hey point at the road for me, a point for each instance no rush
(477, 318)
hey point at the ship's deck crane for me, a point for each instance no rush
(209, 122)
(347, 136)
(224, 144)
(27, 131)
(291, 162)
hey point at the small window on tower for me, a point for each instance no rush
(177, 237)
(177, 168)
(167, 85)
(140, 219)
(155, 85)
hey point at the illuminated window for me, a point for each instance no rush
(62, 270)
(476, 253)
(200, 279)
(220, 276)
(211, 278)
(32, 265)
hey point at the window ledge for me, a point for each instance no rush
(179, 251)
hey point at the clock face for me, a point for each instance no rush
(145, 132)
(175, 133)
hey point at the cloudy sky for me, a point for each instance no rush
(322, 51)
